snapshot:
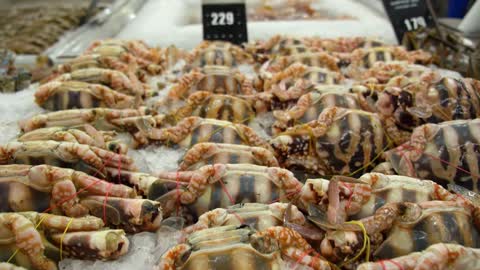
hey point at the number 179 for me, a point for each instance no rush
(414, 23)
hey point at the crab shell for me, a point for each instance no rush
(127, 84)
(316, 59)
(429, 223)
(210, 153)
(256, 215)
(399, 229)
(222, 185)
(297, 71)
(193, 130)
(231, 247)
(221, 107)
(310, 106)
(419, 103)
(217, 53)
(342, 44)
(445, 153)
(100, 118)
(82, 157)
(57, 96)
(215, 79)
(37, 241)
(341, 141)
(90, 136)
(360, 198)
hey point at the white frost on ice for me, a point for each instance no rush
(262, 125)
(156, 158)
(15, 107)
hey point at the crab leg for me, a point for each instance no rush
(292, 246)
(204, 151)
(67, 95)
(27, 239)
(60, 223)
(103, 245)
(131, 214)
(181, 89)
(206, 175)
(167, 262)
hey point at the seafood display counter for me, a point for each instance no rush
(289, 152)
(157, 21)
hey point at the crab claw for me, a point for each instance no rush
(132, 215)
(106, 244)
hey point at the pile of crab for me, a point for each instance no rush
(371, 161)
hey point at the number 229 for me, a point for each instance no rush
(222, 18)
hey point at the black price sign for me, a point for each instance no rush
(224, 21)
(408, 15)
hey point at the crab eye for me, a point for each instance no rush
(183, 258)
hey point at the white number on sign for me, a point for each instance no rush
(414, 23)
(222, 18)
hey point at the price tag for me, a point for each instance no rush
(224, 20)
(408, 15)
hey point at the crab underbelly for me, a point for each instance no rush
(234, 257)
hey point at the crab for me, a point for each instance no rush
(72, 193)
(310, 105)
(126, 84)
(242, 248)
(38, 241)
(446, 153)
(345, 198)
(217, 53)
(312, 59)
(362, 59)
(420, 103)
(398, 229)
(342, 44)
(124, 49)
(210, 153)
(342, 141)
(285, 79)
(122, 62)
(438, 256)
(90, 159)
(275, 45)
(89, 135)
(256, 215)
(449, 48)
(218, 106)
(222, 185)
(101, 118)
(192, 130)
(59, 95)
(215, 79)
